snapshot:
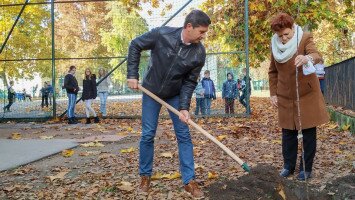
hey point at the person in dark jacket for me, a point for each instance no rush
(229, 93)
(89, 94)
(72, 88)
(177, 57)
(245, 93)
(210, 91)
(44, 94)
(10, 96)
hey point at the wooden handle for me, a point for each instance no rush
(196, 126)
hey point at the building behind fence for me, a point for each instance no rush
(340, 84)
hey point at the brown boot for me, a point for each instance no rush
(145, 184)
(194, 189)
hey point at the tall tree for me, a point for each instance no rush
(29, 39)
(125, 26)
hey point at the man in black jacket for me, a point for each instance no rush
(177, 57)
(71, 85)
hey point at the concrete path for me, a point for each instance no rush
(14, 153)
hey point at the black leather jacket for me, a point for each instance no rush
(173, 68)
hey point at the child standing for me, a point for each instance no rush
(229, 93)
(199, 91)
(210, 92)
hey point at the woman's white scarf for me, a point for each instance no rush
(284, 52)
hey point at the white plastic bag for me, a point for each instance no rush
(308, 68)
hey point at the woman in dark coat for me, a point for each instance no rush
(89, 94)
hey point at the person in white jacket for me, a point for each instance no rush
(102, 90)
(320, 74)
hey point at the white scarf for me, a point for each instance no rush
(284, 52)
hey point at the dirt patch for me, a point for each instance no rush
(264, 182)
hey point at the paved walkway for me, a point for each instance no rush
(14, 153)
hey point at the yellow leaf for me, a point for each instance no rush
(129, 129)
(58, 176)
(15, 136)
(67, 152)
(156, 176)
(129, 150)
(338, 151)
(333, 126)
(174, 175)
(93, 144)
(167, 155)
(345, 127)
(125, 186)
(212, 175)
(221, 137)
(46, 137)
(282, 194)
(276, 141)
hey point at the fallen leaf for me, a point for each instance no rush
(212, 175)
(166, 155)
(15, 136)
(345, 127)
(197, 166)
(46, 137)
(221, 137)
(276, 141)
(282, 194)
(105, 156)
(174, 175)
(93, 144)
(129, 129)
(67, 152)
(60, 176)
(333, 126)
(129, 150)
(156, 176)
(338, 151)
(125, 186)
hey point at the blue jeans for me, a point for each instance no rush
(103, 98)
(208, 105)
(200, 106)
(150, 115)
(71, 105)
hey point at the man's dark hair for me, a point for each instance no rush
(197, 18)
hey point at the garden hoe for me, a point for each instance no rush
(243, 164)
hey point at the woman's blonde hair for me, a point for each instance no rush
(103, 71)
(87, 77)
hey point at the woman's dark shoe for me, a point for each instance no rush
(88, 121)
(303, 175)
(285, 172)
(72, 121)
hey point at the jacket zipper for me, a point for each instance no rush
(171, 66)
